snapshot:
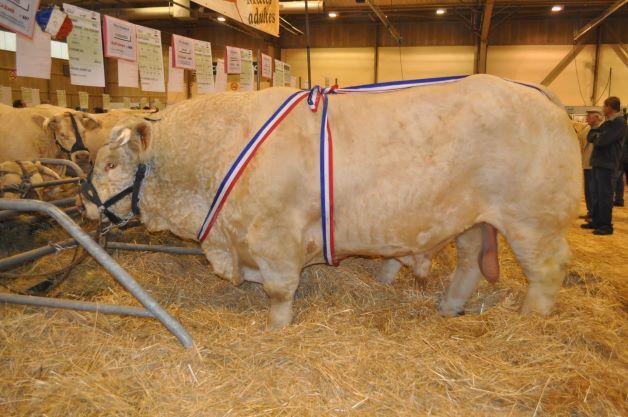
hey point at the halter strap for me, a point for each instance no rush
(91, 194)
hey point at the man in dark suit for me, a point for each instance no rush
(607, 152)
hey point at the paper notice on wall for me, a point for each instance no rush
(33, 55)
(182, 52)
(286, 74)
(151, 62)
(175, 75)
(19, 15)
(127, 74)
(35, 97)
(106, 101)
(83, 100)
(27, 96)
(61, 98)
(233, 60)
(267, 66)
(278, 74)
(85, 47)
(247, 72)
(221, 76)
(204, 67)
(120, 39)
(127, 102)
(6, 97)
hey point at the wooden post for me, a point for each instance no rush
(596, 65)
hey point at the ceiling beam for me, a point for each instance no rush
(384, 19)
(486, 26)
(555, 72)
(595, 22)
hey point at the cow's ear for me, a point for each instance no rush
(89, 121)
(39, 120)
(51, 124)
(144, 134)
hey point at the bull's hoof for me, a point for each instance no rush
(448, 311)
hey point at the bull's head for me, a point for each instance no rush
(68, 130)
(113, 185)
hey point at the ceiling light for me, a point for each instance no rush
(557, 8)
(221, 19)
(333, 14)
(441, 11)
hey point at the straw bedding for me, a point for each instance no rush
(357, 348)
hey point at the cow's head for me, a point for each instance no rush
(68, 130)
(112, 187)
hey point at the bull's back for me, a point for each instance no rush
(416, 166)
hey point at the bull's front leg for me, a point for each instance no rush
(280, 281)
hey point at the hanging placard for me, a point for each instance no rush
(19, 15)
(5, 95)
(259, 14)
(83, 100)
(183, 52)
(221, 76)
(278, 74)
(120, 39)
(286, 74)
(150, 59)
(267, 67)
(32, 56)
(35, 97)
(85, 47)
(246, 73)
(106, 101)
(233, 60)
(127, 74)
(61, 98)
(175, 76)
(204, 68)
(27, 96)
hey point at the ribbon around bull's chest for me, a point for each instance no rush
(314, 97)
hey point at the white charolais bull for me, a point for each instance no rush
(43, 132)
(412, 169)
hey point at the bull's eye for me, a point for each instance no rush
(109, 166)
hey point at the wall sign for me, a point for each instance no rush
(204, 68)
(85, 47)
(150, 58)
(19, 15)
(267, 67)
(259, 14)
(120, 40)
(183, 52)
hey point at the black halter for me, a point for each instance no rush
(78, 144)
(90, 194)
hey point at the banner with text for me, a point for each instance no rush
(19, 15)
(259, 14)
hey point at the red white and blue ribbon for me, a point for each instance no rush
(314, 96)
(243, 159)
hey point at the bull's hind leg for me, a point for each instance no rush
(467, 274)
(544, 259)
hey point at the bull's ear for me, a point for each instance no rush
(39, 120)
(89, 121)
(143, 131)
(123, 137)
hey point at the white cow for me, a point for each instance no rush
(43, 132)
(412, 169)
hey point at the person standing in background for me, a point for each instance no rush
(594, 119)
(607, 143)
(622, 174)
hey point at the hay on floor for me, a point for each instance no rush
(357, 348)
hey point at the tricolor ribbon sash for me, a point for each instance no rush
(314, 97)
